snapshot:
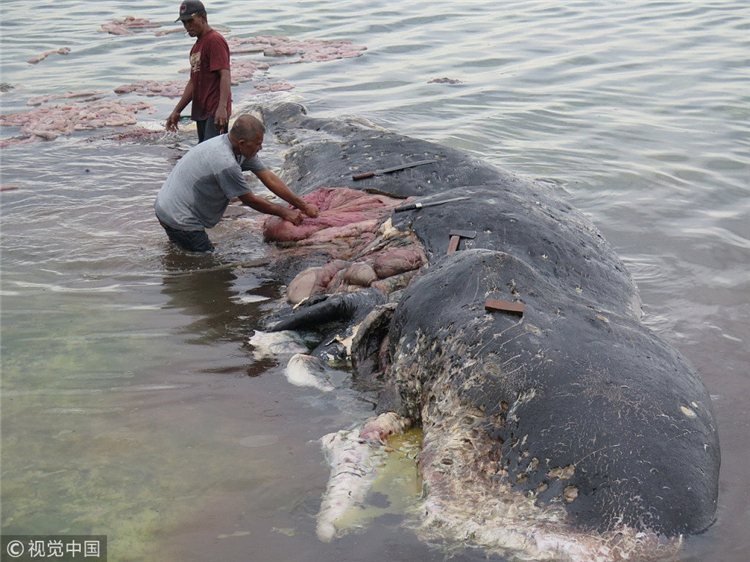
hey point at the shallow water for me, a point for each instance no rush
(132, 405)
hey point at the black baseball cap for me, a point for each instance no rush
(189, 8)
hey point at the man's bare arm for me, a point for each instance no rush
(221, 119)
(280, 189)
(264, 206)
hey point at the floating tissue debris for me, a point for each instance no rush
(51, 121)
(86, 95)
(169, 89)
(127, 25)
(38, 58)
(310, 50)
(280, 86)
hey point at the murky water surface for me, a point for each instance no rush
(132, 405)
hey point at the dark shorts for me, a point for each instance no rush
(190, 240)
(207, 129)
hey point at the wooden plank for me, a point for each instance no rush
(504, 306)
(453, 246)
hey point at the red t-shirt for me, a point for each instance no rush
(209, 55)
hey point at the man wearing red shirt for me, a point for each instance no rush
(209, 87)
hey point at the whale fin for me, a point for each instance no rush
(339, 307)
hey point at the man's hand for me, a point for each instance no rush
(172, 121)
(221, 119)
(310, 210)
(187, 97)
(281, 190)
(293, 216)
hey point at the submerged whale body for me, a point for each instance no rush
(573, 412)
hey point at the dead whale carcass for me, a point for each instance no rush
(570, 431)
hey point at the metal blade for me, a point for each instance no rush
(404, 166)
(435, 203)
(417, 205)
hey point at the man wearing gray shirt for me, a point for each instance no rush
(199, 188)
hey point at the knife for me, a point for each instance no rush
(389, 170)
(417, 205)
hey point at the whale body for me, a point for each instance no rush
(571, 413)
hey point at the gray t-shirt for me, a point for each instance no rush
(199, 188)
